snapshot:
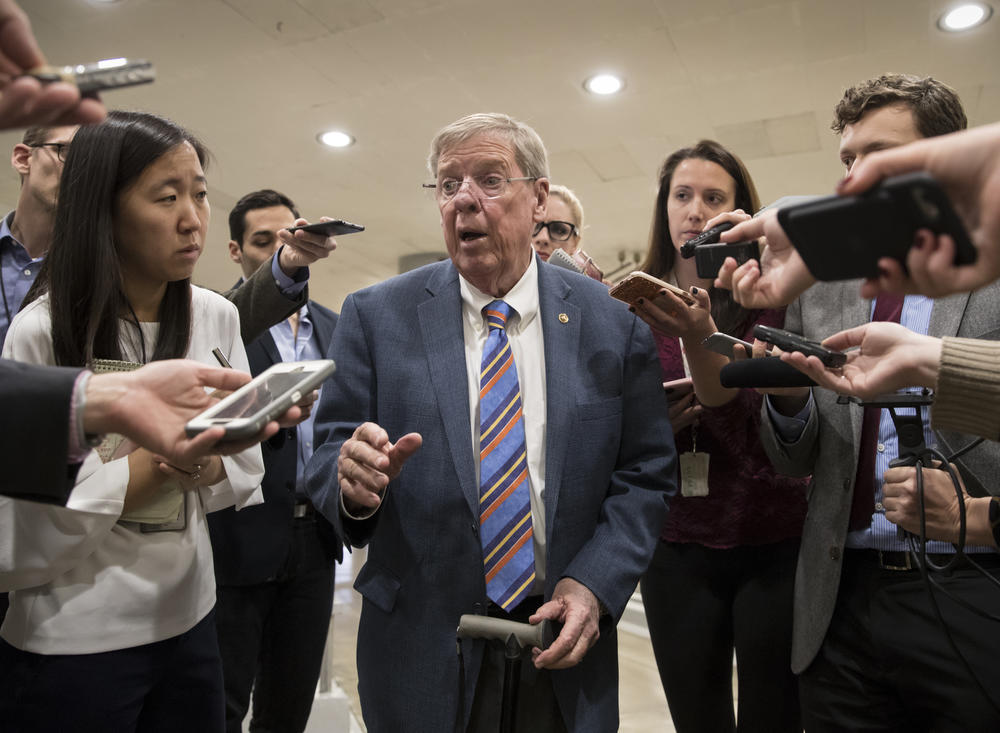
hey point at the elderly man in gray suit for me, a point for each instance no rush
(872, 651)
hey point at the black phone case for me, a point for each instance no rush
(788, 341)
(843, 237)
(335, 228)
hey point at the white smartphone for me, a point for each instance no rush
(723, 343)
(246, 411)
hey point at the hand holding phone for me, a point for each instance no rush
(640, 285)
(843, 237)
(723, 343)
(99, 76)
(788, 341)
(268, 396)
(332, 228)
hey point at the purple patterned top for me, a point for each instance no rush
(748, 503)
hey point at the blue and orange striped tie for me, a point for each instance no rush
(504, 499)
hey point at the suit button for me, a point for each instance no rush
(477, 608)
(834, 553)
(475, 528)
(847, 484)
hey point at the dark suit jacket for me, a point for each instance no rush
(251, 546)
(261, 304)
(830, 442)
(34, 423)
(609, 466)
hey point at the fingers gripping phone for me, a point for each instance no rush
(788, 341)
(640, 285)
(723, 343)
(246, 411)
(334, 228)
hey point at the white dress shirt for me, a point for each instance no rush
(81, 581)
(524, 332)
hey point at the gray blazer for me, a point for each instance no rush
(828, 447)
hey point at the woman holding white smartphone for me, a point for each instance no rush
(110, 624)
(721, 578)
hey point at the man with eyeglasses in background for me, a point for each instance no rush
(26, 232)
(497, 436)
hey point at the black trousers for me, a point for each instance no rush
(701, 604)
(168, 686)
(272, 636)
(886, 664)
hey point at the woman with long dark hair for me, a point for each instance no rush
(110, 624)
(721, 577)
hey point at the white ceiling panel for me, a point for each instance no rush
(258, 79)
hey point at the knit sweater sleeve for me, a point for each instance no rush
(968, 390)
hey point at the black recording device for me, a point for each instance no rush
(709, 254)
(843, 237)
(788, 341)
(709, 236)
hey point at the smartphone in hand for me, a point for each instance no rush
(723, 343)
(334, 228)
(640, 285)
(678, 389)
(788, 341)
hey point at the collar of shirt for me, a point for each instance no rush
(523, 298)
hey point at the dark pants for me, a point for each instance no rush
(537, 707)
(169, 686)
(886, 664)
(701, 603)
(272, 635)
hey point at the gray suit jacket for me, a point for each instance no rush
(261, 304)
(609, 465)
(829, 445)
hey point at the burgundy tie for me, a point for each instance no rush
(888, 307)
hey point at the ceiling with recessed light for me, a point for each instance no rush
(258, 80)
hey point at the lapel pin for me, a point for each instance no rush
(563, 318)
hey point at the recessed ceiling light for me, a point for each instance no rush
(335, 139)
(964, 16)
(604, 84)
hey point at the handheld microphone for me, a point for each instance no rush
(768, 372)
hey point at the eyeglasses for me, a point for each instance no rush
(489, 186)
(59, 149)
(559, 231)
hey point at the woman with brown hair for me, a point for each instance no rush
(721, 578)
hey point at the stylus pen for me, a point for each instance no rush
(220, 357)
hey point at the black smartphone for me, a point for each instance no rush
(843, 237)
(709, 236)
(788, 341)
(708, 258)
(334, 228)
(100, 75)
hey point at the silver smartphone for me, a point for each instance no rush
(723, 343)
(246, 411)
(99, 76)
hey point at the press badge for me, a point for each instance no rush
(694, 469)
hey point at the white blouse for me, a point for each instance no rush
(80, 581)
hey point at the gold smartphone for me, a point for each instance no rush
(640, 285)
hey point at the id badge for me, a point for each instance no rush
(694, 474)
